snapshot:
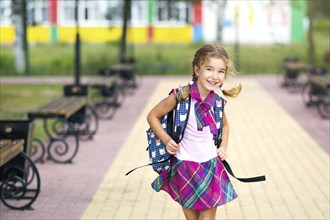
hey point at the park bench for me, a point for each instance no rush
(316, 91)
(65, 114)
(19, 177)
(109, 94)
(292, 71)
(125, 70)
(86, 120)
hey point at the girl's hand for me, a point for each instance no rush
(172, 147)
(222, 153)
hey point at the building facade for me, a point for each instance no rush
(247, 22)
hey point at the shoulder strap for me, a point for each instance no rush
(217, 112)
(182, 110)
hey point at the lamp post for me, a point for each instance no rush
(77, 48)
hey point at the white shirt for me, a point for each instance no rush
(197, 146)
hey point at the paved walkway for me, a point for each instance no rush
(272, 133)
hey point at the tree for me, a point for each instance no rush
(311, 47)
(221, 8)
(20, 42)
(126, 17)
(315, 9)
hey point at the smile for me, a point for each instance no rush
(212, 83)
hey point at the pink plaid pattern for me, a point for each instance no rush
(196, 186)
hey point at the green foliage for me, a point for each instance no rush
(322, 26)
(6, 61)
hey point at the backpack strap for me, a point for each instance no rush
(179, 125)
(149, 164)
(218, 141)
(245, 180)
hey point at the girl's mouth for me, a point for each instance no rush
(212, 83)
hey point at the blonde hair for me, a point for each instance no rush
(201, 55)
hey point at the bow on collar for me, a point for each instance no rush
(203, 110)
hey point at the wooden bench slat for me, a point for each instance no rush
(4, 143)
(122, 67)
(296, 66)
(10, 149)
(107, 81)
(323, 81)
(62, 107)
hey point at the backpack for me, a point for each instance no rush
(174, 123)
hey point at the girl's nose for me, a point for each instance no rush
(215, 75)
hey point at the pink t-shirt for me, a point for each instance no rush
(197, 146)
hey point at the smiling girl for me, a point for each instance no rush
(197, 179)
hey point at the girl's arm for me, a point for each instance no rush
(222, 151)
(154, 117)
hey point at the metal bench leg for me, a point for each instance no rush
(87, 124)
(19, 187)
(38, 151)
(63, 147)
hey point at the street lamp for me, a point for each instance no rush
(77, 48)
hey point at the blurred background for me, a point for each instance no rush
(73, 38)
(37, 36)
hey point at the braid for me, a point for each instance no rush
(233, 92)
(184, 93)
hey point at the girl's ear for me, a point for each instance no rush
(196, 68)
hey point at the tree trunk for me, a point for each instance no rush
(221, 8)
(311, 48)
(20, 41)
(127, 10)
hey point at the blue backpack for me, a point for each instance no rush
(174, 123)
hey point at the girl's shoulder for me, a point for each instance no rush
(219, 100)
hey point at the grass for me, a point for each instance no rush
(168, 59)
(17, 100)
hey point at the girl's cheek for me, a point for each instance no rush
(222, 77)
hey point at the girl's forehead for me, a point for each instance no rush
(214, 61)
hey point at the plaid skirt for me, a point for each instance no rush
(196, 186)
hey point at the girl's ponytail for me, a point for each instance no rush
(233, 92)
(184, 93)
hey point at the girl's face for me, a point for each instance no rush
(211, 75)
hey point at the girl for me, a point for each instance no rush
(197, 179)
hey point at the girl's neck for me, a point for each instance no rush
(202, 92)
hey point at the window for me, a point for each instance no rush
(171, 12)
(139, 13)
(5, 11)
(114, 13)
(37, 12)
(68, 15)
